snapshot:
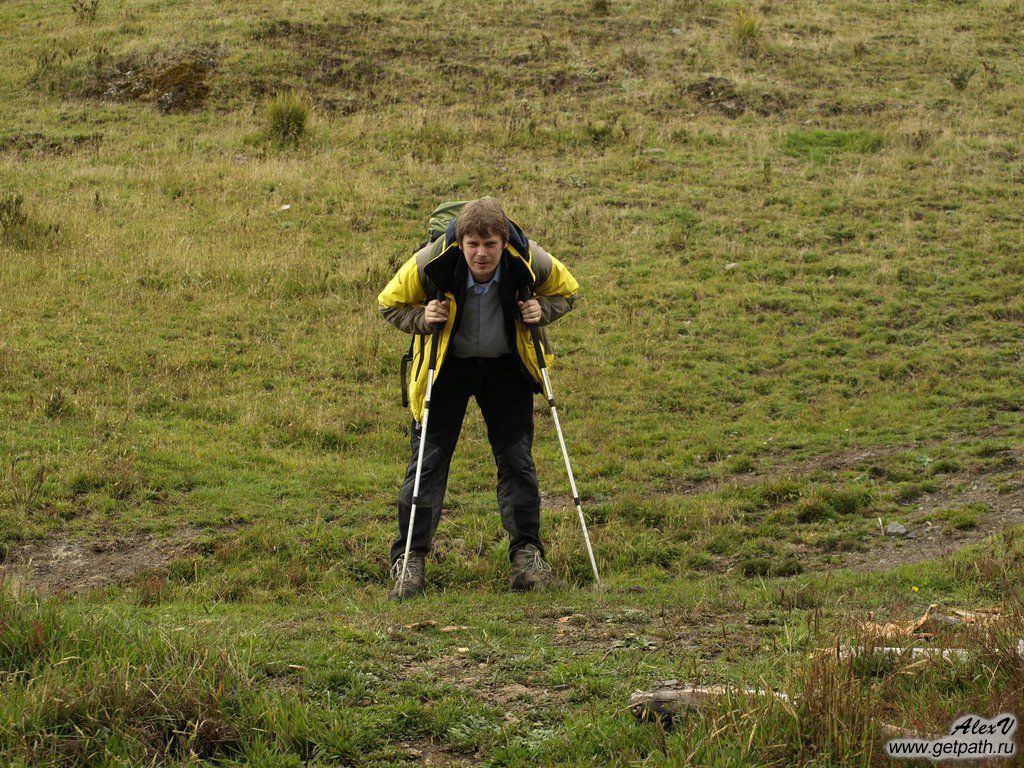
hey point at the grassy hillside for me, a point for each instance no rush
(800, 317)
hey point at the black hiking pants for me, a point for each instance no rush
(505, 396)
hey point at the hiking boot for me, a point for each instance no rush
(529, 570)
(414, 577)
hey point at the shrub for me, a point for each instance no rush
(812, 510)
(600, 132)
(961, 77)
(945, 467)
(286, 119)
(56, 404)
(45, 72)
(827, 503)
(848, 500)
(964, 518)
(85, 10)
(679, 225)
(738, 465)
(12, 217)
(907, 492)
(700, 561)
(725, 541)
(746, 31)
(787, 564)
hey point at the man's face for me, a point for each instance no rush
(483, 252)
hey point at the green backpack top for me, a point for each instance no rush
(442, 216)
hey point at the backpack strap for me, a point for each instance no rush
(406, 360)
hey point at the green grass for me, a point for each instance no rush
(821, 145)
(791, 324)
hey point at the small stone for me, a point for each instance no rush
(731, 265)
(895, 529)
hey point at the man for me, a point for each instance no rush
(475, 283)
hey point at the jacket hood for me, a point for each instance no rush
(444, 268)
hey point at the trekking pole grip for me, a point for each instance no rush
(527, 294)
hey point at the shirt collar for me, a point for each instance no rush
(471, 283)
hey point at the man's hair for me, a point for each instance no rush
(482, 217)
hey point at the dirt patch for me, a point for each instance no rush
(39, 143)
(833, 108)
(487, 680)
(175, 81)
(767, 103)
(425, 752)
(928, 540)
(346, 55)
(719, 95)
(708, 634)
(564, 81)
(62, 565)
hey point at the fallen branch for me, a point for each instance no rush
(666, 704)
(913, 652)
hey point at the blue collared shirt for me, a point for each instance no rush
(482, 329)
(485, 287)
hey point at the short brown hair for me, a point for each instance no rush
(482, 217)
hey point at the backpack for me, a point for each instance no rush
(441, 217)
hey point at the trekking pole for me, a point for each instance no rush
(535, 333)
(423, 439)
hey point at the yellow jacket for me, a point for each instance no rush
(441, 267)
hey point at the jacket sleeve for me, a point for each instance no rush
(553, 307)
(401, 301)
(556, 292)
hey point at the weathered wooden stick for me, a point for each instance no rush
(890, 731)
(666, 704)
(913, 652)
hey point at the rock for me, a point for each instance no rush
(895, 529)
(720, 95)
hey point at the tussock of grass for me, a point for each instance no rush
(12, 215)
(85, 10)
(746, 31)
(286, 119)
